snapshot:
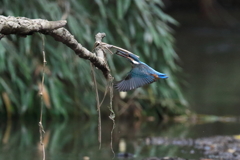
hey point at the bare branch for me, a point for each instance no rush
(24, 26)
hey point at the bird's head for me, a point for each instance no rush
(134, 59)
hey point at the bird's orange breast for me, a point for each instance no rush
(155, 76)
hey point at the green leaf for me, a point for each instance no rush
(102, 8)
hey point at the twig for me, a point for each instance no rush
(98, 106)
(104, 96)
(41, 129)
(99, 50)
(112, 114)
(100, 54)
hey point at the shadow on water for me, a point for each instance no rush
(76, 139)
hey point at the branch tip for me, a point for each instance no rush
(99, 37)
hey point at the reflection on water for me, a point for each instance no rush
(76, 139)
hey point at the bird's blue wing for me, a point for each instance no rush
(137, 77)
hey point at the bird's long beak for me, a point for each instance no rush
(123, 54)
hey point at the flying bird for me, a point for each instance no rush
(140, 75)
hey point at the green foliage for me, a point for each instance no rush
(139, 26)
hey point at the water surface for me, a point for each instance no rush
(76, 139)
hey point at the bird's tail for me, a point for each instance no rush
(162, 75)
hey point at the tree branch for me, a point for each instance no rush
(25, 26)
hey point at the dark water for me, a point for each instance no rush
(211, 61)
(76, 139)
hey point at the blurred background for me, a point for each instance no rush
(207, 44)
(194, 42)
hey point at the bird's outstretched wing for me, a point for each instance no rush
(137, 77)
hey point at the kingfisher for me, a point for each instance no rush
(140, 75)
